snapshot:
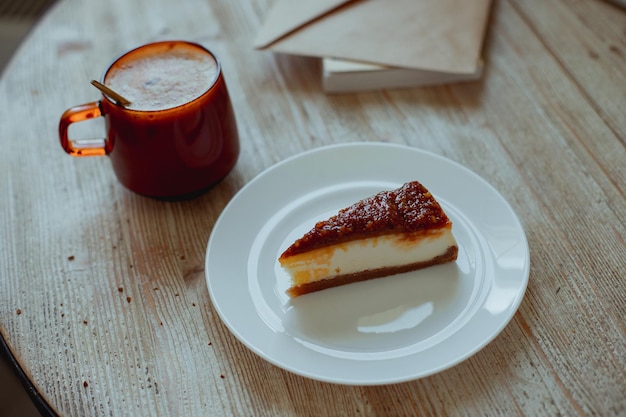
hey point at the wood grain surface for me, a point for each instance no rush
(103, 300)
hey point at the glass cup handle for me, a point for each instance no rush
(81, 147)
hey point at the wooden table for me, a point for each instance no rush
(103, 301)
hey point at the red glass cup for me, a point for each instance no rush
(175, 152)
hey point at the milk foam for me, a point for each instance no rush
(164, 80)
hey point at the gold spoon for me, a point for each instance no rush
(106, 90)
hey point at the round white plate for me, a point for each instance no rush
(380, 331)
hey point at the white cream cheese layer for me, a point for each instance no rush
(368, 254)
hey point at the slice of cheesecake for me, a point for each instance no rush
(389, 233)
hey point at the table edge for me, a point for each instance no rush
(39, 402)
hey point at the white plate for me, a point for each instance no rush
(380, 331)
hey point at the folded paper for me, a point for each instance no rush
(430, 35)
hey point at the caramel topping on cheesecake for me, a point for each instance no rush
(409, 209)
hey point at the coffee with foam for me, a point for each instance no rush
(178, 137)
(163, 80)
